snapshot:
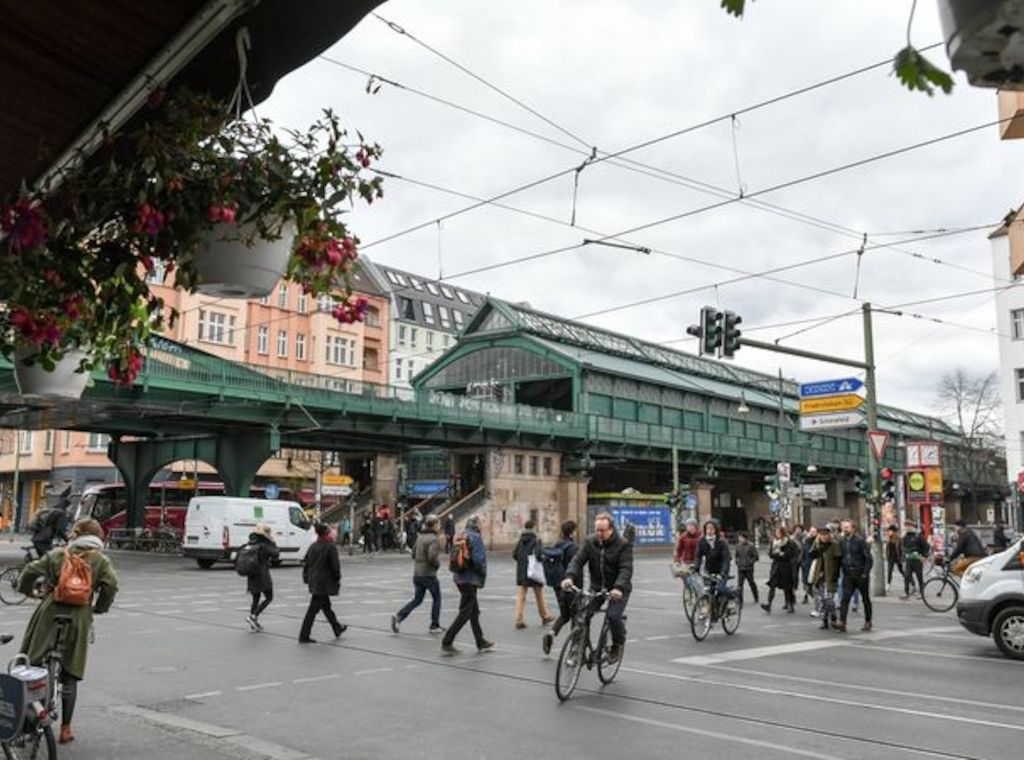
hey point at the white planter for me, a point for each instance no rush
(231, 269)
(34, 380)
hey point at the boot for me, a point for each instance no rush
(866, 627)
(66, 735)
(614, 653)
(767, 608)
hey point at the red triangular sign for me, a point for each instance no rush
(878, 439)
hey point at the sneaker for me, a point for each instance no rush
(256, 622)
(520, 624)
(766, 608)
(437, 629)
(815, 614)
(307, 641)
(484, 645)
(448, 648)
(394, 623)
(839, 627)
(546, 642)
(340, 630)
(548, 620)
(252, 623)
(614, 653)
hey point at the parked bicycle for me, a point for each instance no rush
(9, 578)
(940, 592)
(713, 607)
(30, 702)
(578, 650)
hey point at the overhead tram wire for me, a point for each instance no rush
(642, 145)
(589, 149)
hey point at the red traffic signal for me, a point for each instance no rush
(886, 473)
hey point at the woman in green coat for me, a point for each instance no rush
(86, 540)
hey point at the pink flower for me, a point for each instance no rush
(147, 263)
(148, 220)
(213, 214)
(363, 158)
(23, 224)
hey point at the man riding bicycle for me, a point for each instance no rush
(609, 561)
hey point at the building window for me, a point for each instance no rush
(430, 341)
(411, 370)
(25, 441)
(447, 292)
(336, 350)
(462, 296)
(262, 339)
(428, 313)
(445, 340)
(215, 327)
(300, 347)
(302, 302)
(1020, 384)
(159, 272)
(401, 335)
(282, 343)
(282, 296)
(265, 301)
(398, 369)
(534, 465)
(446, 317)
(413, 336)
(416, 283)
(547, 465)
(97, 442)
(48, 447)
(433, 289)
(372, 318)
(324, 303)
(1017, 323)
(458, 318)
(67, 441)
(517, 464)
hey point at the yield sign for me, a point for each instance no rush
(878, 439)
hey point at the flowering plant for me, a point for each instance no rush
(78, 251)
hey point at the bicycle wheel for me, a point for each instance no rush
(731, 616)
(700, 623)
(37, 745)
(570, 663)
(607, 671)
(939, 594)
(9, 593)
(689, 600)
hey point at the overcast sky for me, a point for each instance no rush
(615, 73)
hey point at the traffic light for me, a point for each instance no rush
(862, 483)
(730, 334)
(709, 331)
(887, 484)
(772, 487)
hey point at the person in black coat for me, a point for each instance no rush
(260, 583)
(856, 565)
(783, 553)
(528, 546)
(321, 571)
(713, 555)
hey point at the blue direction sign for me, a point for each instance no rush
(831, 387)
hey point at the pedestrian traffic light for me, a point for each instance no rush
(730, 334)
(861, 483)
(709, 331)
(887, 485)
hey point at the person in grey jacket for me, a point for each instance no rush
(426, 559)
(746, 556)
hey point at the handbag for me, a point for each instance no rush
(535, 569)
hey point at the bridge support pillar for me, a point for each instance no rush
(236, 455)
(385, 479)
(703, 491)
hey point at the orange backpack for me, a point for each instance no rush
(74, 587)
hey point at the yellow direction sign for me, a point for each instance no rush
(188, 484)
(336, 480)
(825, 404)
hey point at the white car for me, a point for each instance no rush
(992, 599)
(216, 527)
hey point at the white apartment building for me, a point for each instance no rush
(426, 317)
(1007, 266)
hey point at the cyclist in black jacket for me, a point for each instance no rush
(609, 561)
(713, 555)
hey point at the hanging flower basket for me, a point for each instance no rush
(64, 381)
(244, 264)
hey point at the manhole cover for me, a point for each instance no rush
(158, 669)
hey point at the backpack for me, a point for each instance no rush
(247, 562)
(74, 586)
(40, 520)
(461, 558)
(553, 558)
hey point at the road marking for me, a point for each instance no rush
(658, 638)
(994, 659)
(312, 679)
(372, 670)
(756, 652)
(204, 695)
(718, 735)
(255, 686)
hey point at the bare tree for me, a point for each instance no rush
(971, 404)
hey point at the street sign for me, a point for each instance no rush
(691, 501)
(916, 486)
(814, 491)
(878, 439)
(845, 403)
(827, 421)
(924, 454)
(336, 490)
(336, 480)
(933, 483)
(774, 505)
(272, 491)
(783, 470)
(188, 484)
(831, 387)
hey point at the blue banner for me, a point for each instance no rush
(653, 524)
(425, 487)
(831, 387)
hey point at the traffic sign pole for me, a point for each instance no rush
(878, 566)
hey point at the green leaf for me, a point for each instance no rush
(918, 73)
(734, 7)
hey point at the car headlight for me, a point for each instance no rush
(973, 575)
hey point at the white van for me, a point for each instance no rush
(216, 527)
(992, 599)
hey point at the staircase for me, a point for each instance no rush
(466, 505)
(359, 502)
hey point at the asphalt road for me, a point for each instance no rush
(175, 672)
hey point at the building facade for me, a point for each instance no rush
(1007, 266)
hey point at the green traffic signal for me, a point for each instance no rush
(711, 330)
(730, 334)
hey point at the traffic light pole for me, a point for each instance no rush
(874, 499)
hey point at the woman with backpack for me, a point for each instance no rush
(78, 581)
(528, 546)
(556, 561)
(260, 552)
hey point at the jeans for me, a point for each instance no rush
(893, 562)
(564, 609)
(317, 603)
(614, 613)
(256, 608)
(852, 584)
(469, 611)
(42, 547)
(423, 584)
(746, 574)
